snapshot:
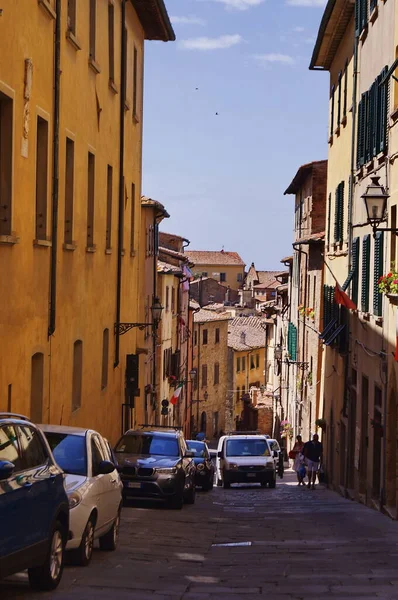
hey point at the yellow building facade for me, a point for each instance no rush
(71, 123)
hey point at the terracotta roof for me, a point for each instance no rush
(203, 315)
(314, 237)
(150, 203)
(265, 278)
(287, 259)
(335, 20)
(166, 268)
(154, 20)
(174, 254)
(302, 174)
(208, 257)
(245, 333)
(281, 274)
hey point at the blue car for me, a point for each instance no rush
(34, 509)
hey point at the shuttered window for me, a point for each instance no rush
(355, 268)
(345, 89)
(372, 5)
(332, 111)
(292, 341)
(339, 214)
(372, 121)
(339, 101)
(361, 15)
(377, 273)
(365, 273)
(329, 218)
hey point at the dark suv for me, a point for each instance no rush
(155, 463)
(34, 510)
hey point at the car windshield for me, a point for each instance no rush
(69, 451)
(150, 445)
(198, 448)
(247, 448)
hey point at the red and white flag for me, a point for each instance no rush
(340, 297)
(176, 395)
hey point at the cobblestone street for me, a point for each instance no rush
(303, 544)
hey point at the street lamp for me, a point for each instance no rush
(192, 374)
(278, 352)
(156, 310)
(375, 199)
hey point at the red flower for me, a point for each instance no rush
(389, 275)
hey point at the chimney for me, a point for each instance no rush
(243, 337)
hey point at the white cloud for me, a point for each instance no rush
(239, 4)
(299, 29)
(310, 40)
(274, 58)
(321, 3)
(187, 21)
(205, 43)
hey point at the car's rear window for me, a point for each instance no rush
(69, 451)
(198, 448)
(149, 445)
(252, 447)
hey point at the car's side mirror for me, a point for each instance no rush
(106, 467)
(219, 454)
(7, 468)
(275, 453)
(189, 454)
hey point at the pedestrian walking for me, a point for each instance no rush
(296, 453)
(313, 451)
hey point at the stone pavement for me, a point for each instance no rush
(299, 544)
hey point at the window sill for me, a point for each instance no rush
(91, 249)
(127, 105)
(123, 252)
(344, 121)
(94, 65)
(369, 167)
(70, 247)
(113, 87)
(48, 8)
(337, 131)
(9, 239)
(330, 140)
(133, 253)
(373, 15)
(135, 119)
(364, 34)
(365, 316)
(72, 39)
(42, 243)
(379, 321)
(394, 114)
(108, 251)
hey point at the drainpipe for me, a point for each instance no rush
(305, 316)
(121, 182)
(55, 166)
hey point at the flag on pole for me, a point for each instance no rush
(340, 297)
(176, 395)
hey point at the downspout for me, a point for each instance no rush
(154, 288)
(305, 316)
(121, 183)
(55, 166)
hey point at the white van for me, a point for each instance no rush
(245, 458)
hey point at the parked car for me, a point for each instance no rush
(155, 463)
(204, 466)
(93, 486)
(34, 511)
(278, 455)
(245, 458)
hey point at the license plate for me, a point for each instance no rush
(133, 484)
(251, 474)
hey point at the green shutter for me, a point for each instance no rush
(349, 203)
(336, 214)
(289, 339)
(373, 118)
(372, 5)
(326, 317)
(378, 272)
(364, 13)
(382, 112)
(294, 343)
(367, 127)
(345, 89)
(339, 100)
(329, 218)
(365, 273)
(355, 268)
(361, 132)
(341, 212)
(332, 112)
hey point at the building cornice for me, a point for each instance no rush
(154, 20)
(335, 20)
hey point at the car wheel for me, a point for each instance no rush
(108, 542)
(48, 575)
(83, 554)
(209, 486)
(191, 495)
(219, 482)
(177, 502)
(272, 483)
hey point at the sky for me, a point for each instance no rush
(231, 111)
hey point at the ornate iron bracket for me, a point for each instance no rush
(122, 328)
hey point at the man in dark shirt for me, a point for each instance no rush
(313, 453)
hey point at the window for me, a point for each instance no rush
(339, 100)
(378, 272)
(204, 274)
(223, 277)
(33, 452)
(69, 184)
(97, 455)
(238, 364)
(372, 121)
(393, 239)
(240, 277)
(217, 336)
(339, 214)
(92, 36)
(70, 452)
(72, 16)
(216, 373)
(111, 42)
(90, 199)
(173, 300)
(257, 361)
(41, 178)
(77, 375)
(132, 237)
(135, 81)
(332, 111)
(372, 5)
(361, 15)
(6, 138)
(355, 268)
(109, 186)
(243, 363)
(204, 375)
(204, 342)
(252, 362)
(9, 449)
(167, 297)
(292, 341)
(345, 90)
(365, 273)
(105, 359)
(238, 394)
(37, 388)
(195, 338)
